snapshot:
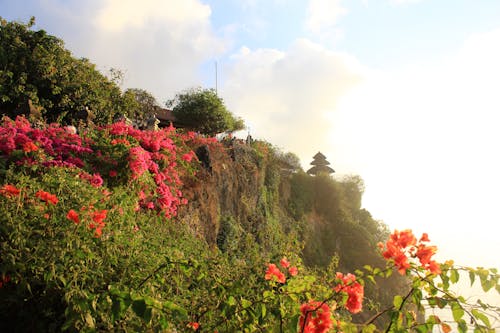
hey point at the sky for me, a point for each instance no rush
(403, 93)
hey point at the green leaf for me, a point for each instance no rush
(139, 306)
(117, 309)
(454, 276)
(462, 326)
(398, 300)
(176, 309)
(472, 277)
(232, 301)
(293, 323)
(457, 311)
(369, 329)
(481, 316)
(487, 284)
(245, 303)
(371, 278)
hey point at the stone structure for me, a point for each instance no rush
(320, 165)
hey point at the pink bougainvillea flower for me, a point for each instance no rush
(96, 180)
(73, 216)
(47, 197)
(188, 157)
(274, 272)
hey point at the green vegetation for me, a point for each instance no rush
(39, 76)
(204, 111)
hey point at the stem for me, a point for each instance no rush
(401, 307)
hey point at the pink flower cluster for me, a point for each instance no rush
(60, 147)
(113, 147)
(274, 273)
(156, 154)
(354, 290)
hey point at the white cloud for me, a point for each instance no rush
(119, 15)
(424, 139)
(322, 15)
(287, 97)
(159, 43)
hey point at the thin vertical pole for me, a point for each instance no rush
(216, 77)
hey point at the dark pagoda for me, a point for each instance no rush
(320, 165)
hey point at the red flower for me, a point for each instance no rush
(424, 238)
(4, 280)
(96, 180)
(99, 216)
(293, 271)
(113, 173)
(193, 325)
(188, 157)
(73, 216)
(424, 253)
(29, 146)
(274, 272)
(315, 317)
(353, 289)
(47, 197)
(434, 267)
(284, 263)
(9, 191)
(403, 245)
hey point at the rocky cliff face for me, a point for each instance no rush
(235, 186)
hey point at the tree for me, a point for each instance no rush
(145, 103)
(204, 111)
(38, 73)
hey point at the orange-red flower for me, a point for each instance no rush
(9, 191)
(47, 197)
(315, 317)
(403, 245)
(73, 216)
(293, 271)
(29, 147)
(284, 263)
(274, 272)
(193, 325)
(354, 290)
(98, 217)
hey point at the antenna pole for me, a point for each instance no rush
(216, 77)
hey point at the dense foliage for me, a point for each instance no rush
(204, 110)
(39, 76)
